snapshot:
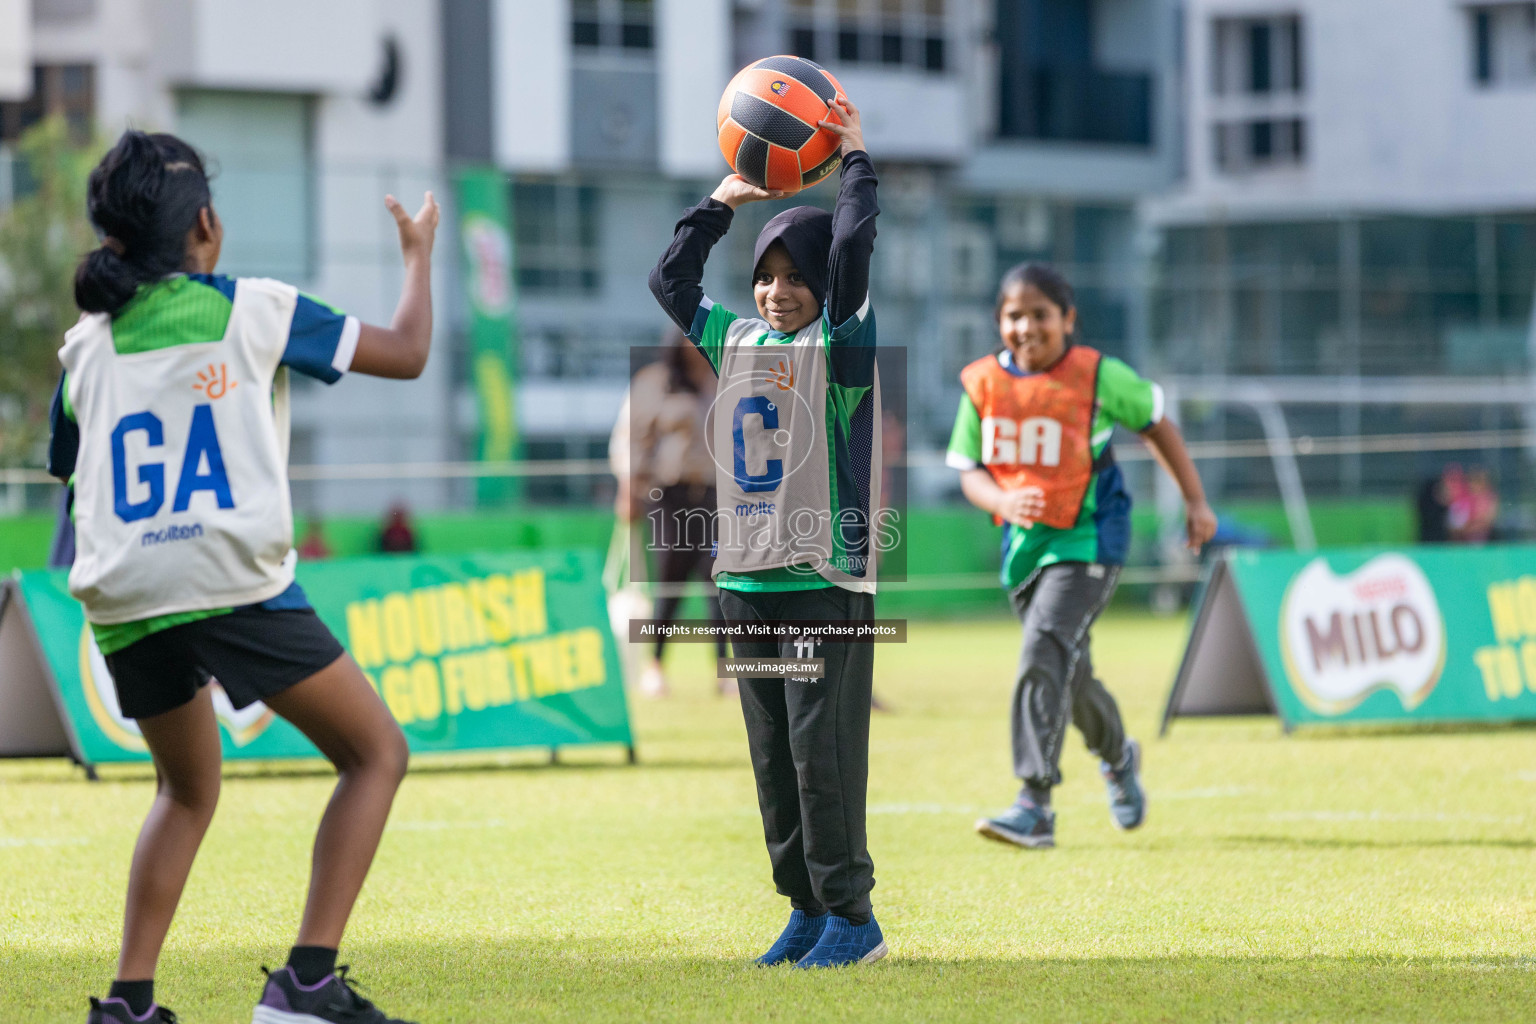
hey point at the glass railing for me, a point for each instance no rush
(1076, 105)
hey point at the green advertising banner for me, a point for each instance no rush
(469, 653)
(1424, 634)
(485, 236)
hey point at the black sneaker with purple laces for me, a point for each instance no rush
(115, 1011)
(332, 1000)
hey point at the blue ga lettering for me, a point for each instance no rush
(202, 448)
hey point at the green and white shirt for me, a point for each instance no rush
(1102, 532)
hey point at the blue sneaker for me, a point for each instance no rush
(795, 940)
(1023, 824)
(1127, 800)
(843, 943)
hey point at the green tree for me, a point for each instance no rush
(42, 237)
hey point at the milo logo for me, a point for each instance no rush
(1344, 637)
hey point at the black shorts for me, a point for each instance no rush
(253, 652)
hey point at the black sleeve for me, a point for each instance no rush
(63, 439)
(677, 278)
(853, 238)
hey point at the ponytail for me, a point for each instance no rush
(143, 198)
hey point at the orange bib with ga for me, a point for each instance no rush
(1037, 431)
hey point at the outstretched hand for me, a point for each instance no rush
(735, 190)
(847, 127)
(416, 233)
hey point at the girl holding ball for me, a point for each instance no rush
(797, 457)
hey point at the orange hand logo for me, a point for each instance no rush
(782, 376)
(214, 381)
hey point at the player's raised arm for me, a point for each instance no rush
(400, 350)
(853, 219)
(677, 279)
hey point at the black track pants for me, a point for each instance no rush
(809, 742)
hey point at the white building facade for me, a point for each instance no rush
(309, 113)
(1357, 202)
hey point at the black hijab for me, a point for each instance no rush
(806, 233)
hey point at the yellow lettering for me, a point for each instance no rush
(397, 628)
(528, 593)
(517, 660)
(1509, 672)
(459, 630)
(498, 608)
(474, 681)
(1505, 611)
(426, 691)
(1483, 657)
(565, 661)
(429, 622)
(364, 638)
(455, 668)
(397, 694)
(477, 610)
(1528, 663)
(498, 677)
(1525, 601)
(591, 669)
(541, 667)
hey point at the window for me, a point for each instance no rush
(66, 89)
(1258, 56)
(1504, 44)
(1258, 80)
(623, 26)
(260, 152)
(881, 33)
(555, 224)
(1252, 145)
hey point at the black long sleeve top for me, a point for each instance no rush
(677, 278)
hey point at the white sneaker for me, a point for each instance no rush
(653, 682)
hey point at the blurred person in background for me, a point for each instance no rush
(1434, 510)
(1474, 506)
(397, 537)
(667, 478)
(314, 547)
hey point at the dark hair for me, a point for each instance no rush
(143, 198)
(1043, 276)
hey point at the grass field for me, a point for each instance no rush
(1383, 876)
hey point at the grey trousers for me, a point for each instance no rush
(809, 742)
(1057, 607)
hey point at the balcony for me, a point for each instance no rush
(1076, 105)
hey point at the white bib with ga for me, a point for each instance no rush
(181, 483)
